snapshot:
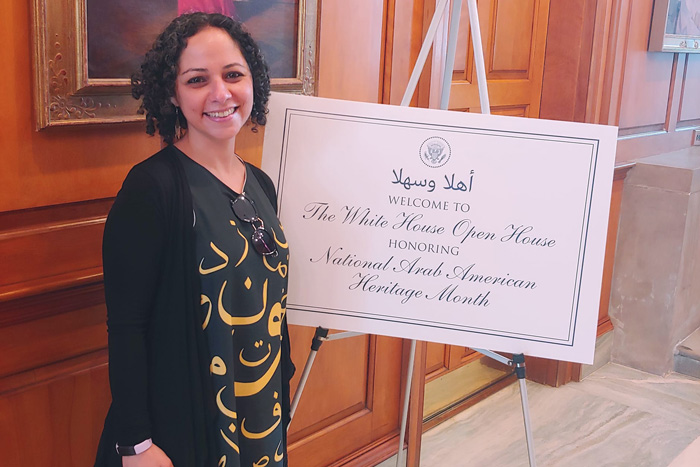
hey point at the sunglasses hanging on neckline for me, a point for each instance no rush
(244, 209)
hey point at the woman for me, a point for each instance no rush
(195, 267)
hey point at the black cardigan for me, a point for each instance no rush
(158, 353)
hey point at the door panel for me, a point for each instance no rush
(514, 34)
(437, 359)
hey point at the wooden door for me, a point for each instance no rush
(514, 35)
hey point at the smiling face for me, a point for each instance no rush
(214, 87)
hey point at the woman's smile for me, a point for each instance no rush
(221, 113)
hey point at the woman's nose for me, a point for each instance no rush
(220, 91)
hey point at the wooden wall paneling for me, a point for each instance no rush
(390, 12)
(43, 246)
(604, 323)
(249, 144)
(689, 108)
(568, 60)
(674, 95)
(33, 344)
(646, 74)
(54, 391)
(350, 62)
(549, 372)
(631, 148)
(603, 55)
(623, 78)
(388, 8)
(585, 51)
(612, 34)
(56, 422)
(61, 369)
(638, 143)
(9, 442)
(23, 304)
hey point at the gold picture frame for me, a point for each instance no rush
(675, 27)
(65, 95)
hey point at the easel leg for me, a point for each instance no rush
(414, 435)
(423, 54)
(519, 361)
(406, 398)
(479, 57)
(451, 50)
(320, 335)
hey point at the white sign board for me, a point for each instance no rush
(467, 229)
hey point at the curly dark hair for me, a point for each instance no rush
(155, 83)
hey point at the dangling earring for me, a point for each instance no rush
(178, 128)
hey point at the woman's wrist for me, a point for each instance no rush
(135, 449)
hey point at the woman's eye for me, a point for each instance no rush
(233, 74)
(195, 80)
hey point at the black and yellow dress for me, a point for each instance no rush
(243, 300)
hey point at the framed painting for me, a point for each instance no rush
(86, 50)
(675, 26)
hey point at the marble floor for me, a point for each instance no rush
(616, 416)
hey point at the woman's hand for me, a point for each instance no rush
(151, 457)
